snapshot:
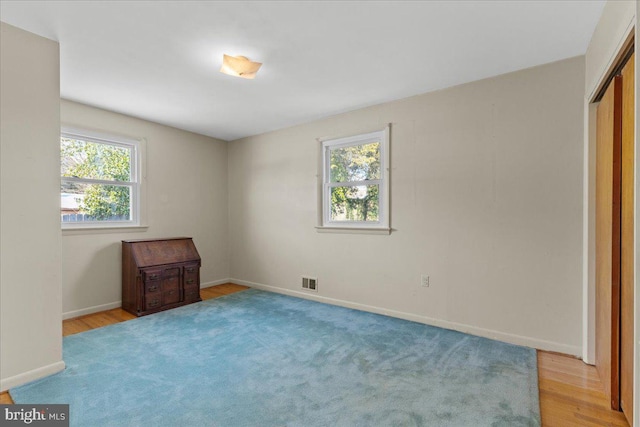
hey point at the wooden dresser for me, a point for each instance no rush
(159, 274)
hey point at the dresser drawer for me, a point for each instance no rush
(152, 286)
(171, 272)
(152, 275)
(171, 284)
(152, 302)
(191, 274)
(191, 282)
(191, 293)
(170, 297)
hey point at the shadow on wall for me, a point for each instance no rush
(93, 277)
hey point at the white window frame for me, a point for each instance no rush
(135, 147)
(383, 223)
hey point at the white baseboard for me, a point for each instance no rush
(473, 330)
(34, 374)
(215, 283)
(91, 310)
(117, 304)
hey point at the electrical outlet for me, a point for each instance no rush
(424, 281)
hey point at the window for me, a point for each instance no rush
(99, 184)
(355, 191)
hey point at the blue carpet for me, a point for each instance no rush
(262, 359)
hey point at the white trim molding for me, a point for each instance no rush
(137, 152)
(32, 375)
(461, 327)
(90, 310)
(381, 231)
(215, 283)
(327, 146)
(117, 304)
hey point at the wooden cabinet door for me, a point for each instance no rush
(608, 150)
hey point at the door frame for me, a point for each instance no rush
(626, 37)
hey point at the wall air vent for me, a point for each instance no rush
(310, 283)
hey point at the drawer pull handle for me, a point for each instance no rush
(153, 288)
(172, 292)
(153, 276)
(190, 270)
(190, 281)
(154, 303)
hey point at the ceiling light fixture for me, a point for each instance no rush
(239, 66)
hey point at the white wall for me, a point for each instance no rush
(30, 293)
(186, 195)
(486, 199)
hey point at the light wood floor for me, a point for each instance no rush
(104, 318)
(570, 390)
(571, 394)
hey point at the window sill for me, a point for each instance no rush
(104, 229)
(354, 230)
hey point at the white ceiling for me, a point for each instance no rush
(159, 60)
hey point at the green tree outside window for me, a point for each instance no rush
(354, 164)
(96, 161)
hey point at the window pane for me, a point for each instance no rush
(355, 163)
(85, 159)
(357, 203)
(94, 202)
